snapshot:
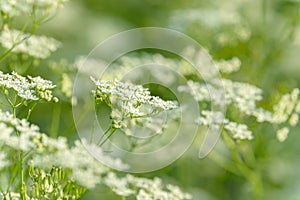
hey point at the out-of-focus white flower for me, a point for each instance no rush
(241, 95)
(35, 46)
(239, 131)
(282, 134)
(14, 8)
(66, 85)
(144, 188)
(286, 106)
(211, 117)
(294, 119)
(31, 88)
(118, 185)
(3, 158)
(229, 66)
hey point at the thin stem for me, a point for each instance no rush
(224, 163)
(12, 178)
(30, 111)
(23, 186)
(114, 130)
(252, 176)
(93, 131)
(107, 130)
(6, 53)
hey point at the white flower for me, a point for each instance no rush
(118, 185)
(177, 193)
(144, 188)
(66, 85)
(129, 101)
(114, 162)
(286, 106)
(36, 46)
(239, 131)
(31, 88)
(210, 117)
(14, 8)
(241, 95)
(229, 66)
(282, 134)
(294, 119)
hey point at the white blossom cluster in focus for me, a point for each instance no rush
(35, 46)
(30, 88)
(129, 101)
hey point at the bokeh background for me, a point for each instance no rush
(263, 34)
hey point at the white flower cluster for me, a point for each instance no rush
(229, 66)
(35, 46)
(76, 163)
(148, 126)
(31, 88)
(287, 110)
(84, 169)
(143, 188)
(66, 85)
(12, 8)
(238, 131)
(244, 97)
(26, 132)
(282, 134)
(241, 95)
(19, 135)
(129, 101)
(125, 66)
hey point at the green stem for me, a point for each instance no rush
(111, 134)
(23, 186)
(224, 163)
(251, 175)
(107, 130)
(30, 111)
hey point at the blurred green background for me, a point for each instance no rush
(270, 60)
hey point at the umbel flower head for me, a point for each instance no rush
(12, 8)
(28, 88)
(35, 46)
(129, 101)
